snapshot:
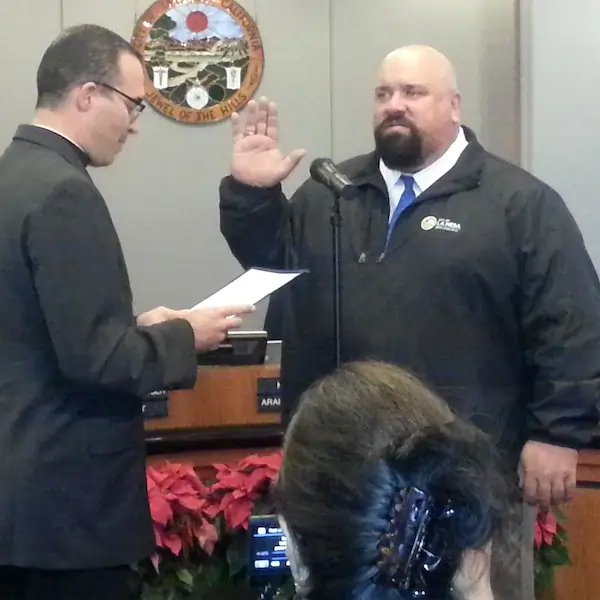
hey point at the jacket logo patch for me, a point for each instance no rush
(431, 222)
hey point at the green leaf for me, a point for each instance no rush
(220, 526)
(560, 516)
(236, 554)
(210, 575)
(556, 555)
(544, 579)
(561, 534)
(152, 593)
(185, 577)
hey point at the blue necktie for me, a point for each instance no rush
(407, 198)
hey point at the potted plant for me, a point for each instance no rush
(200, 528)
(550, 547)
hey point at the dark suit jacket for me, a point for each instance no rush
(73, 367)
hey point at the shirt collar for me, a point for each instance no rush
(61, 135)
(46, 139)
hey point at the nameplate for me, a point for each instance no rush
(156, 405)
(268, 395)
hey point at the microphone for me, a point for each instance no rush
(324, 171)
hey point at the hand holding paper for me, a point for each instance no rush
(211, 324)
(215, 316)
(251, 287)
(160, 314)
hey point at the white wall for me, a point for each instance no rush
(560, 49)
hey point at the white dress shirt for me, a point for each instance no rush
(427, 176)
(61, 135)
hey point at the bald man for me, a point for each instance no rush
(455, 264)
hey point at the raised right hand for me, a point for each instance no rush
(212, 324)
(257, 159)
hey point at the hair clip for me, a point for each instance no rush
(411, 549)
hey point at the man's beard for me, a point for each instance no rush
(399, 151)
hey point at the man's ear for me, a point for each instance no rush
(83, 96)
(456, 108)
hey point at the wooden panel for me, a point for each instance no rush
(588, 469)
(583, 526)
(222, 397)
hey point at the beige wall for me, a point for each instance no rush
(320, 61)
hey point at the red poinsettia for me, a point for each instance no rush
(178, 503)
(546, 527)
(238, 487)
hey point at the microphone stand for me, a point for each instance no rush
(325, 172)
(336, 222)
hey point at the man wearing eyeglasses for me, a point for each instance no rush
(106, 113)
(74, 360)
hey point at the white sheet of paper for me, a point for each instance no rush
(249, 288)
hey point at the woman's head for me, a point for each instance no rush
(382, 489)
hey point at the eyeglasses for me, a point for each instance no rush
(138, 105)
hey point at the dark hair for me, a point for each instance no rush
(80, 54)
(360, 439)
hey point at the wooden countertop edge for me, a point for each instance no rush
(216, 438)
(590, 458)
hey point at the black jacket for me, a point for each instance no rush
(494, 301)
(73, 366)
